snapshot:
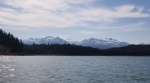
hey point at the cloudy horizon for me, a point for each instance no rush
(77, 19)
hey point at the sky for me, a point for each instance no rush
(124, 20)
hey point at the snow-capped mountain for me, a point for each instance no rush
(91, 42)
(102, 43)
(45, 40)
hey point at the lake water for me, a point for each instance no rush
(74, 69)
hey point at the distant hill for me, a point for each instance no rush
(91, 42)
(129, 50)
(9, 43)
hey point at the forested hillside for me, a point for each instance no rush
(9, 43)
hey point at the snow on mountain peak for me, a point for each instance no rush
(46, 40)
(103, 43)
(48, 37)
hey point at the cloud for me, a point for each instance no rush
(131, 27)
(105, 14)
(88, 32)
(61, 13)
(124, 28)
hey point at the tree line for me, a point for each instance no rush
(137, 50)
(68, 49)
(60, 49)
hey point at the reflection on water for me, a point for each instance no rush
(7, 67)
(74, 69)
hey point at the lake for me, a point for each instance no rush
(74, 69)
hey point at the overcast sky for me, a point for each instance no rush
(124, 20)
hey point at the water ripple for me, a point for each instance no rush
(74, 69)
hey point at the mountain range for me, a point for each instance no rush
(91, 42)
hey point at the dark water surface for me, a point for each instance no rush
(74, 69)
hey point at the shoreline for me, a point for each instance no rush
(24, 54)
